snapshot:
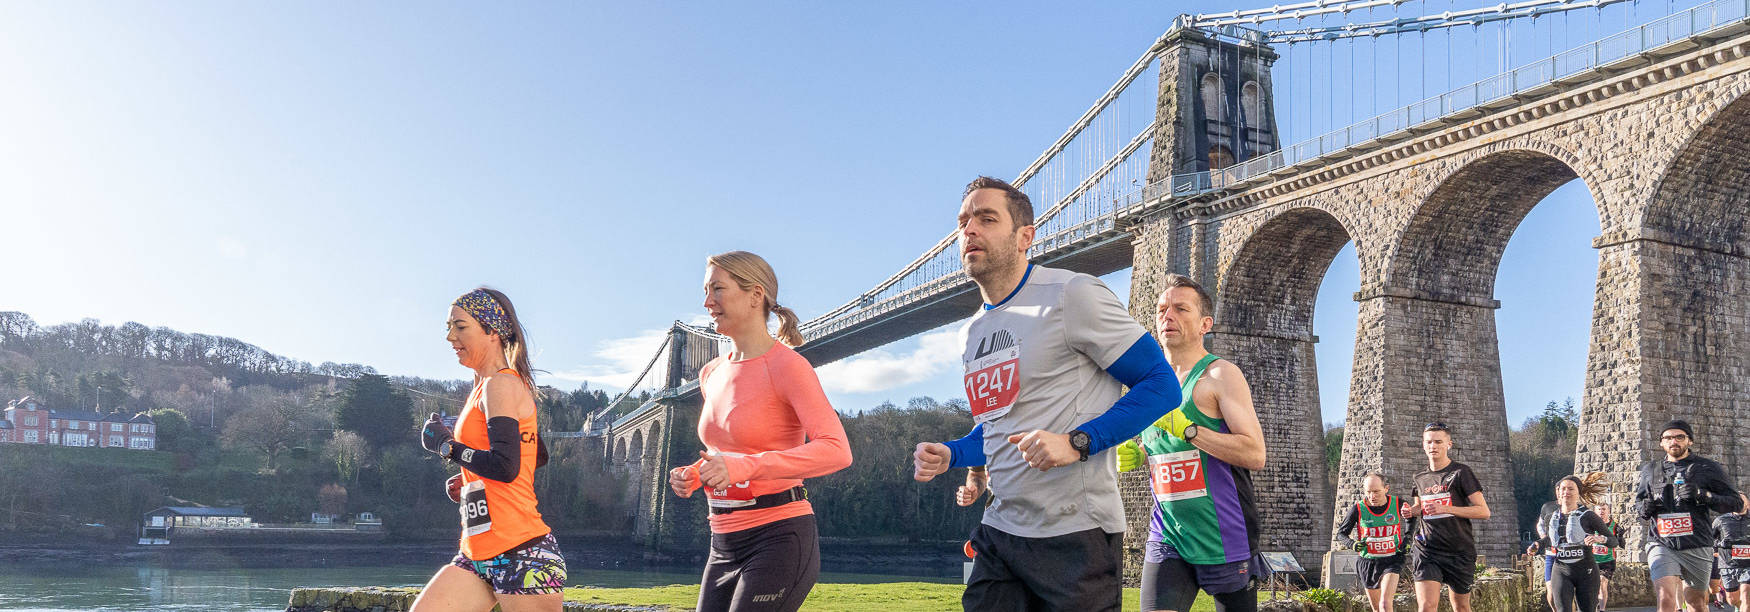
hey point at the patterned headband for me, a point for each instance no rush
(480, 305)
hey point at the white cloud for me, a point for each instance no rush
(880, 370)
(618, 361)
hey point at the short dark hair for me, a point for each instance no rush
(1204, 303)
(1020, 206)
(1437, 426)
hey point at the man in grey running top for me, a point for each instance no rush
(1046, 358)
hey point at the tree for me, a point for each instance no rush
(378, 412)
(349, 450)
(268, 429)
(331, 499)
(174, 433)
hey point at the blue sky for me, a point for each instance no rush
(321, 179)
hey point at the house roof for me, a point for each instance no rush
(197, 511)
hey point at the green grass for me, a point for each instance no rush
(871, 597)
(156, 461)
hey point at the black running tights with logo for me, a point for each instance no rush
(1575, 586)
(766, 568)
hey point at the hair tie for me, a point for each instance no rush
(485, 309)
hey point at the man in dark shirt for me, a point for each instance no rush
(1675, 496)
(1448, 498)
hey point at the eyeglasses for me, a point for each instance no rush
(1674, 437)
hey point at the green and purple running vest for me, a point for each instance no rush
(1204, 507)
(1381, 532)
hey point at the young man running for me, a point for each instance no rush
(1448, 498)
(1203, 532)
(1046, 360)
(1676, 494)
(1732, 548)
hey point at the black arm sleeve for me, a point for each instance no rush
(502, 461)
(1721, 498)
(1346, 531)
(1595, 524)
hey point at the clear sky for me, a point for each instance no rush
(321, 179)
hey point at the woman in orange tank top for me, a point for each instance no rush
(508, 555)
(767, 425)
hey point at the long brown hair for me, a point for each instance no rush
(1592, 487)
(749, 270)
(516, 342)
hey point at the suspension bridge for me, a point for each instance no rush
(1245, 148)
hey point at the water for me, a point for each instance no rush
(68, 587)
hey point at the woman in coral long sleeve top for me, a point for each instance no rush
(766, 425)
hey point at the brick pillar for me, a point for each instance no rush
(1669, 340)
(1292, 490)
(1420, 359)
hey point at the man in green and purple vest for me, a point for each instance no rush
(1203, 533)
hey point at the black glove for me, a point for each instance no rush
(1359, 546)
(435, 434)
(453, 488)
(1687, 495)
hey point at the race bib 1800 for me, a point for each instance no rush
(1177, 476)
(1675, 524)
(992, 383)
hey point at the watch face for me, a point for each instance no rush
(1190, 432)
(1079, 439)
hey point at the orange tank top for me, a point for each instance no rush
(497, 516)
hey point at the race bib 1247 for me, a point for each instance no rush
(992, 383)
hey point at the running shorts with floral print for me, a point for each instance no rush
(534, 568)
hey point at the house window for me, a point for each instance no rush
(115, 441)
(30, 420)
(30, 436)
(115, 426)
(73, 426)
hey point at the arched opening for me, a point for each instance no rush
(1264, 324)
(1249, 117)
(618, 459)
(1686, 275)
(655, 449)
(1451, 351)
(1214, 99)
(636, 449)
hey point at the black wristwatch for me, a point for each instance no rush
(1190, 432)
(444, 449)
(1080, 441)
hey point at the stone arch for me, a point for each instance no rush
(636, 449)
(1249, 105)
(1451, 246)
(1427, 347)
(654, 441)
(619, 456)
(1214, 99)
(1704, 193)
(1263, 324)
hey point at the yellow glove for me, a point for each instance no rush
(1174, 422)
(1130, 456)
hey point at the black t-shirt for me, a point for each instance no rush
(1438, 532)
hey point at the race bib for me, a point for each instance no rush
(1570, 554)
(1740, 552)
(992, 383)
(1382, 546)
(1177, 476)
(1675, 524)
(737, 495)
(1600, 550)
(733, 496)
(1434, 505)
(476, 516)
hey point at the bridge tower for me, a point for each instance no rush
(1216, 109)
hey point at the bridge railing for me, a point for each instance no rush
(1659, 32)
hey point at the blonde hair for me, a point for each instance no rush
(750, 270)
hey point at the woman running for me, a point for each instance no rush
(1572, 530)
(766, 425)
(508, 555)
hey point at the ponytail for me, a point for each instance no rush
(788, 331)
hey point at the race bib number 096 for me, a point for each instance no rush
(992, 383)
(1177, 476)
(476, 516)
(1675, 524)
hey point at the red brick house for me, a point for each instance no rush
(31, 423)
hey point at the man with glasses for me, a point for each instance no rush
(1676, 496)
(1448, 498)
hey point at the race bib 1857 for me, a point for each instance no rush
(1177, 476)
